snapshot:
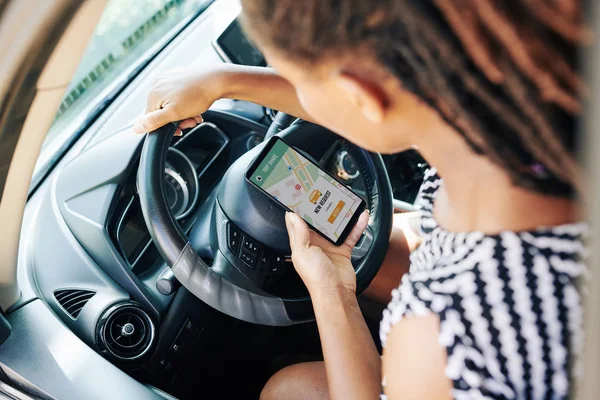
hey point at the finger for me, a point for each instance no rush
(358, 229)
(155, 100)
(178, 132)
(153, 120)
(290, 228)
(298, 230)
(198, 119)
(187, 123)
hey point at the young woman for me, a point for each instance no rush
(487, 91)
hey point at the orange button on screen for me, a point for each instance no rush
(336, 212)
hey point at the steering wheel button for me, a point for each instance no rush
(264, 262)
(234, 239)
(250, 245)
(275, 265)
(248, 258)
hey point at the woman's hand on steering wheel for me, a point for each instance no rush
(180, 94)
(323, 266)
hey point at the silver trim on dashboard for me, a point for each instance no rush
(189, 207)
(220, 51)
(12, 393)
(106, 315)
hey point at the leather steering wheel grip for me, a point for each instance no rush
(166, 233)
(381, 207)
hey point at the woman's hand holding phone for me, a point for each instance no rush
(323, 267)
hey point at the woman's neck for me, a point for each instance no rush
(477, 195)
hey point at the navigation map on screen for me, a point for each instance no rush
(301, 186)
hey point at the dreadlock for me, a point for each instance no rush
(501, 73)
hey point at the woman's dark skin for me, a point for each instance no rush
(357, 98)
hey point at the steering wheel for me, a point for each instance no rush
(248, 235)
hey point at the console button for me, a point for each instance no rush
(248, 258)
(250, 245)
(183, 335)
(188, 325)
(234, 239)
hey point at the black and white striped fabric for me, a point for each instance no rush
(510, 312)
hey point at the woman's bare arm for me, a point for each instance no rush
(352, 362)
(404, 239)
(262, 86)
(351, 359)
(414, 362)
(182, 94)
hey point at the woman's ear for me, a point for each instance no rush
(367, 96)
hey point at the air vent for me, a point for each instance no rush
(125, 332)
(73, 300)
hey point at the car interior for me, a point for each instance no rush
(106, 307)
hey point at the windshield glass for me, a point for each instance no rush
(126, 32)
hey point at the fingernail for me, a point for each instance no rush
(365, 217)
(138, 127)
(290, 217)
(178, 133)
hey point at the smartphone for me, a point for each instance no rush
(301, 186)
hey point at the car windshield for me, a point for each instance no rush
(126, 35)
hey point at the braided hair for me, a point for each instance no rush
(502, 73)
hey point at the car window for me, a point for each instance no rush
(126, 32)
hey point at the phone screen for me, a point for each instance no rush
(303, 187)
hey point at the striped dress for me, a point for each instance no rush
(510, 311)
